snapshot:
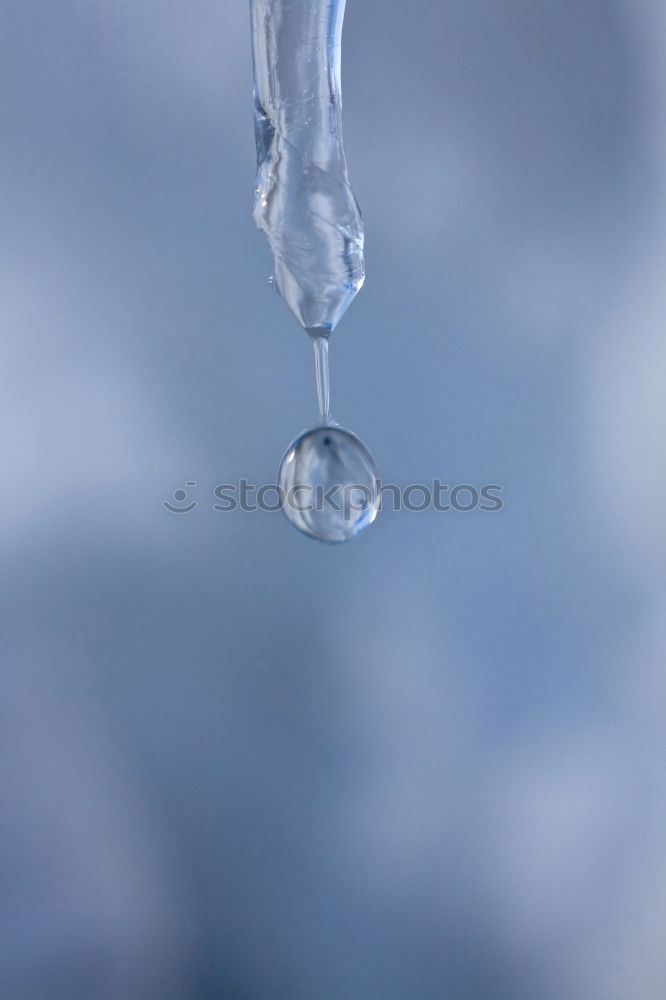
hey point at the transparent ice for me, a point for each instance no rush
(303, 200)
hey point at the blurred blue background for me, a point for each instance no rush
(429, 764)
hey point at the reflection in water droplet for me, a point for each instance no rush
(329, 479)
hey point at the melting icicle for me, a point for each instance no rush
(303, 199)
(306, 207)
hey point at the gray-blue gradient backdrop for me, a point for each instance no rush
(429, 765)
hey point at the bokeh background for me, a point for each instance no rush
(428, 765)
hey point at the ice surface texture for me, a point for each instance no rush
(303, 199)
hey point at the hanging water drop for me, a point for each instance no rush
(330, 486)
(328, 477)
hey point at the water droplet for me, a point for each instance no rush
(330, 484)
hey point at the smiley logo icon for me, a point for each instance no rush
(180, 496)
